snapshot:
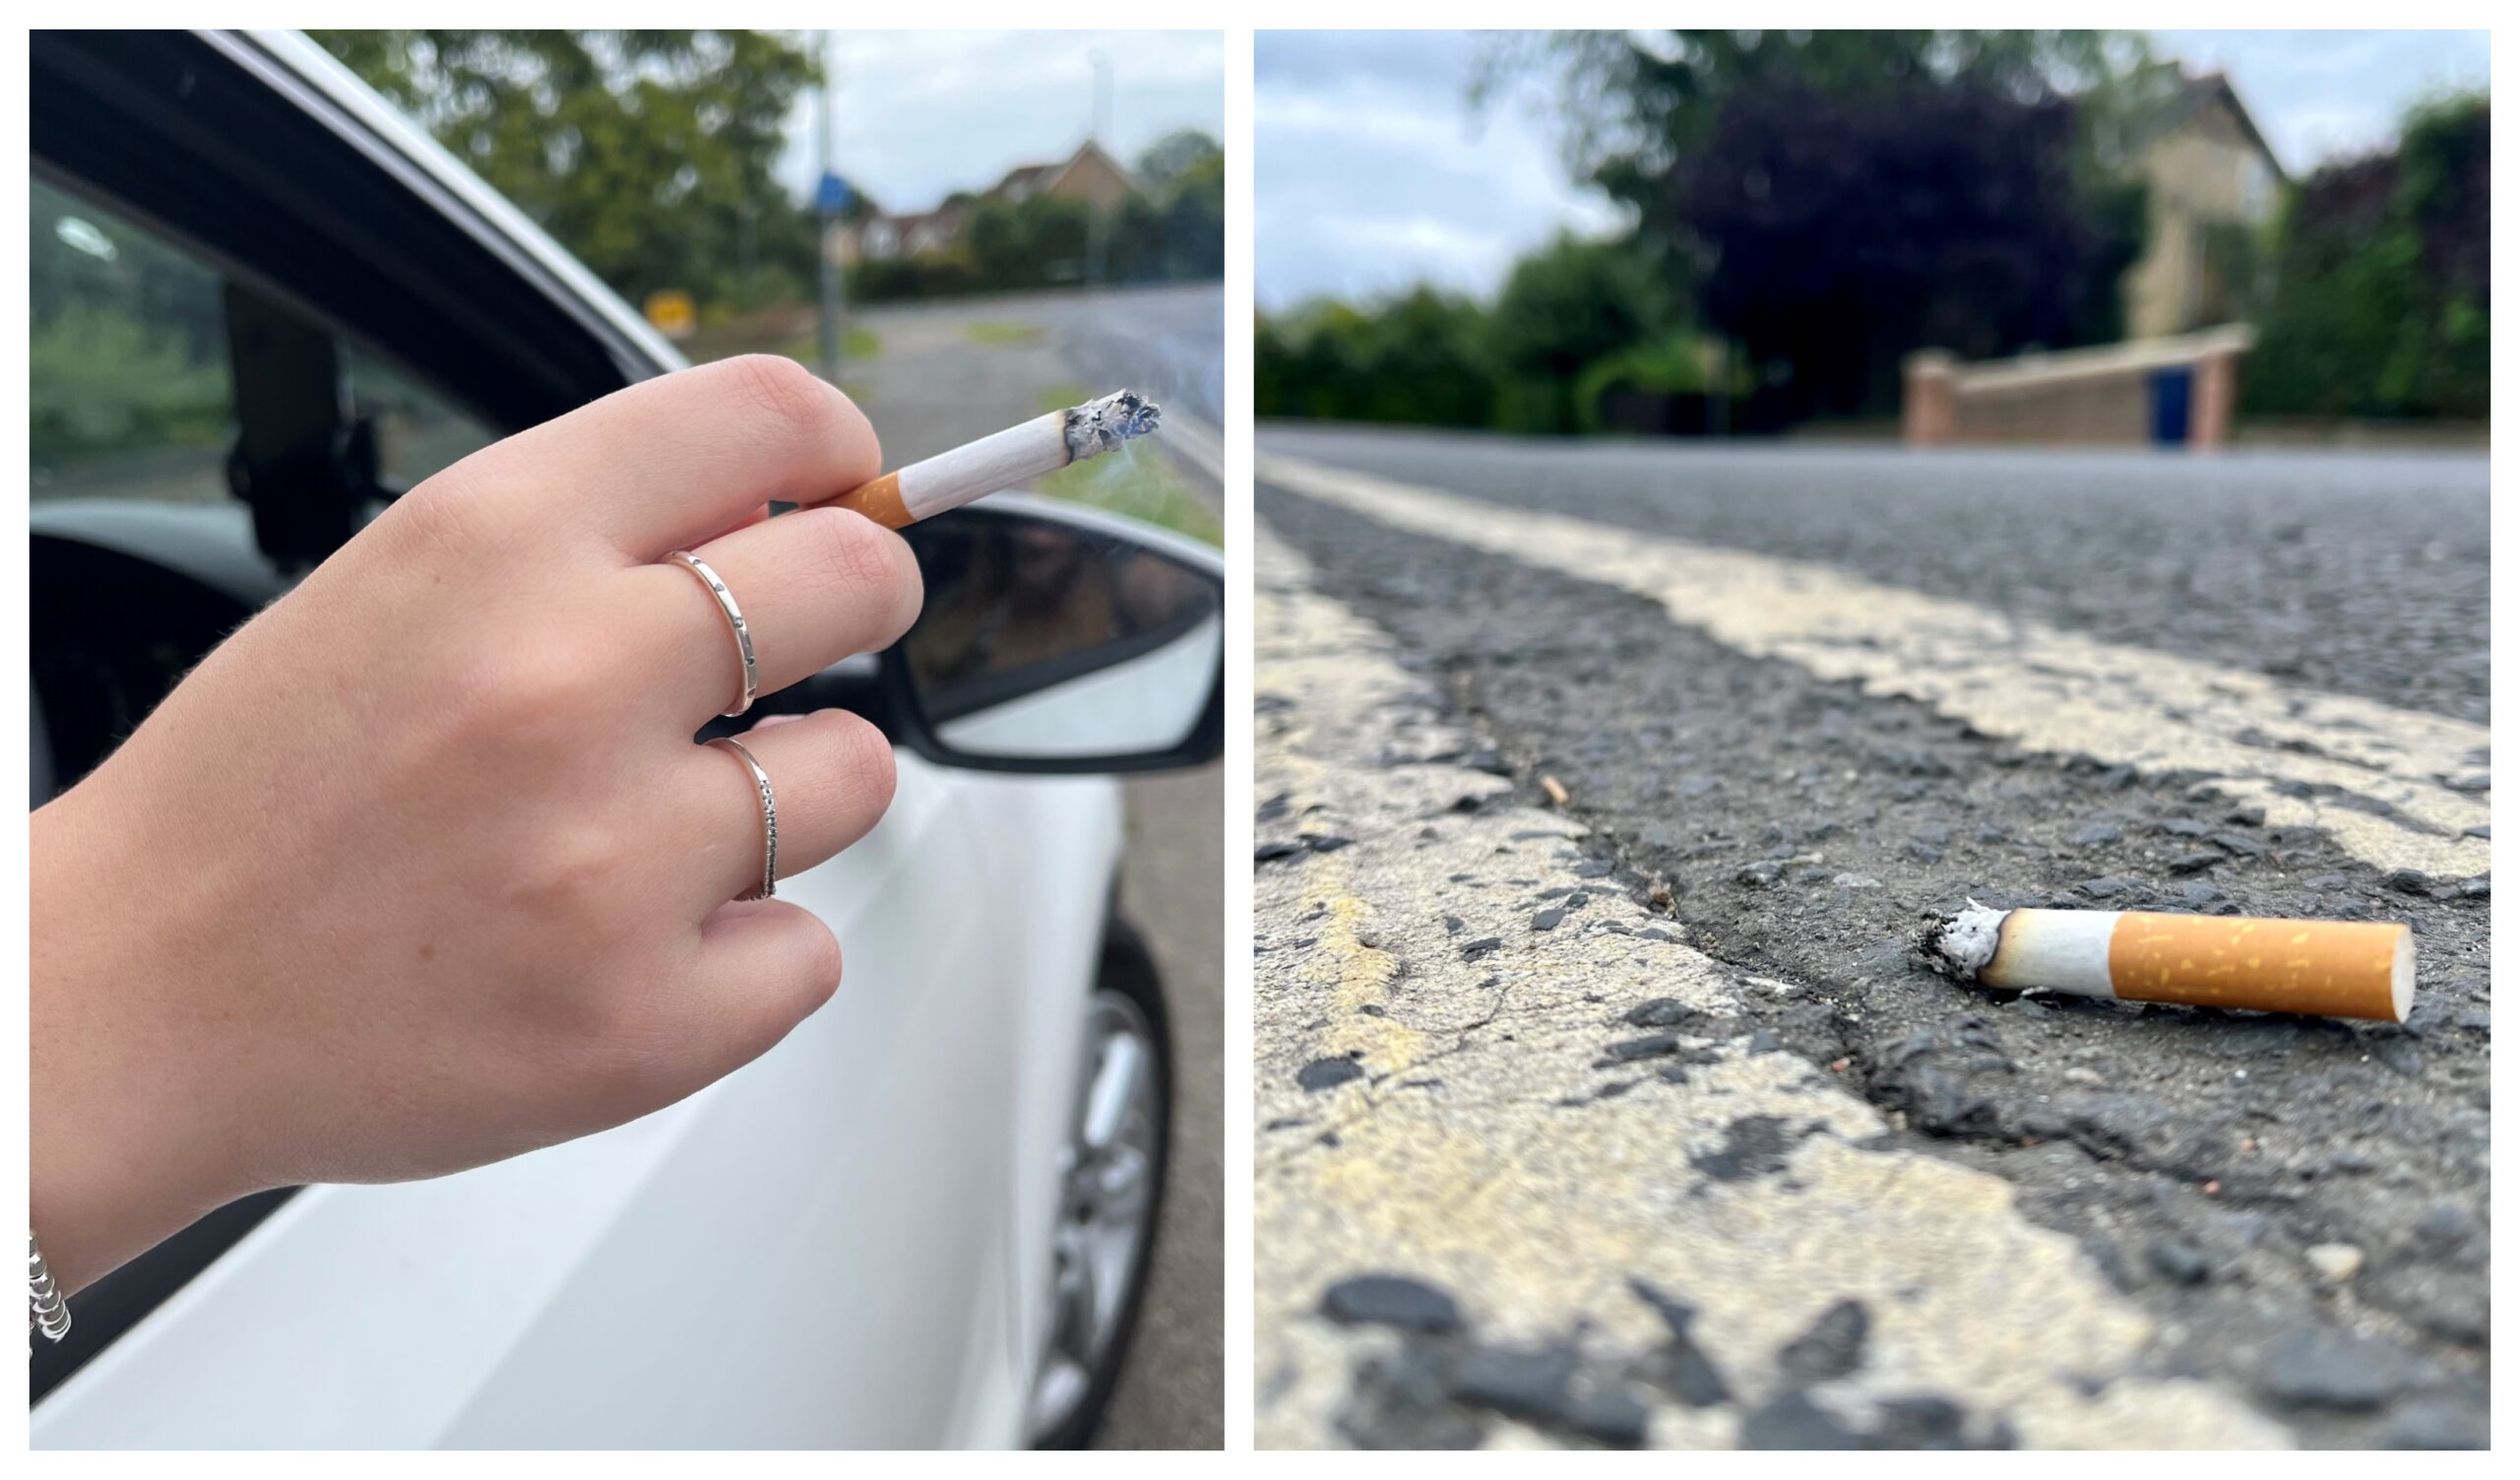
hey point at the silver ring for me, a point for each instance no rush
(735, 620)
(769, 816)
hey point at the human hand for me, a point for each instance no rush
(422, 868)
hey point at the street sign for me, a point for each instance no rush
(672, 313)
(832, 196)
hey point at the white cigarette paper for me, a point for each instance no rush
(2331, 968)
(1001, 459)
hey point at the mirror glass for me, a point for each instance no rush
(1042, 639)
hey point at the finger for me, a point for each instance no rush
(669, 462)
(765, 966)
(831, 777)
(814, 587)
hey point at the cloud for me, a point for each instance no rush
(2319, 94)
(919, 115)
(1374, 174)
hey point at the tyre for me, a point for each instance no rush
(1112, 1179)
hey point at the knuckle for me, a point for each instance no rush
(860, 557)
(527, 697)
(789, 396)
(848, 771)
(576, 882)
(862, 763)
(449, 513)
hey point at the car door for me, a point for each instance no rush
(841, 1244)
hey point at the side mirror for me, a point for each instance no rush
(1058, 639)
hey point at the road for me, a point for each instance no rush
(942, 375)
(1631, 1117)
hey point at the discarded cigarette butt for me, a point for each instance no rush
(1556, 793)
(1002, 459)
(2327, 968)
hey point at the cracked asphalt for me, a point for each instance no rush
(1633, 1119)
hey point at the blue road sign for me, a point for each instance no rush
(832, 196)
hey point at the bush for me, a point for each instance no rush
(2381, 295)
(1415, 359)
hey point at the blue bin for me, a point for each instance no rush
(2173, 391)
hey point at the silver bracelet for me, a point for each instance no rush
(46, 1310)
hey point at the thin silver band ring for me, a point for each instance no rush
(769, 816)
(734, 621)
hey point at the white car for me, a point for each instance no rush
(924, 1219)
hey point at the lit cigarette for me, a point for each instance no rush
(2329, 968)
(1002, 459)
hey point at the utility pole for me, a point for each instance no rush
(827, 214)
(1098, 219)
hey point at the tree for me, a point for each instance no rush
(2381, 297)
(1169, 158)
(1824, 199)
(648, 153)
(1563, 308)
(1173, 228)
(1415, 359)
(1642, 105)
(1839, 234)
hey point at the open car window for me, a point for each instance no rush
(133, 374)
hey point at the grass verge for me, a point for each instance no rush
(1003, 334)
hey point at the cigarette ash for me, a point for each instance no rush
(1959, 946)
(1107, 424)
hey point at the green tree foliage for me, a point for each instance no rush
(1642, 105)
(126, 344)
(1169, 161)
(1417, 358)
(1173, 228)
(1840, 236)
(2381, 304)
(1563, 308)
(1445, 361)
(648, 153)
(1835, 199)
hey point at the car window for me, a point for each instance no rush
(127, 361)
(129, 377)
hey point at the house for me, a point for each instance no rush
(1090, 175)
(2213, 184)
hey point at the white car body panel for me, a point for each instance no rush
(843, 1244)
(847, 1243)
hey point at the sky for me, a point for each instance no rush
(1373, 172)
(919, 115)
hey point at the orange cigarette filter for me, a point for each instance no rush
(1002, 460)
(2327, 968)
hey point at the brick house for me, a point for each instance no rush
(1090, 175)
(2213, 184)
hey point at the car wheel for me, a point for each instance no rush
(1110, 1188)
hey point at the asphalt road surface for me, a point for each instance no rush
(1632, 1117)
(950, 371)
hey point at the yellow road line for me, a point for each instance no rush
(2049, 689)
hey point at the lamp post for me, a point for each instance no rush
(1097, 220)
(827, 209)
